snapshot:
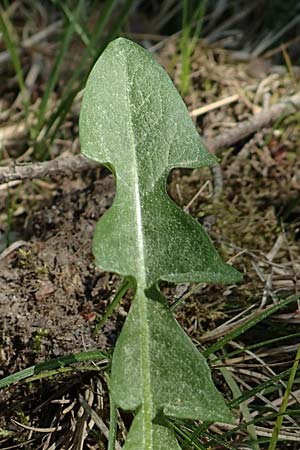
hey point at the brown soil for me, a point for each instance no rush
(50, 288)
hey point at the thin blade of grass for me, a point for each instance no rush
(188, 41)
(258, 345)
(56, 119)
(282, 409)
(108, 7)
(236, 392)
(185, 437)
(81, 72)
(249, 324)
(78, 26)
(189, 437)
(116, 29)
(64, 45)
(113, 419)
(52, 364)
(118, 297)
(11, 46)
(262, 386)
(90, 47)
(218, 440)
(185, 49)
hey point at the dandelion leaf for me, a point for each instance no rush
(133, 121)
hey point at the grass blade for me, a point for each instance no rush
(113, 419)
(78, 27)
(243, 406)
(115, 30)
(11, 46)
(65, 42)
(259, 345)
(53, 364)
(118, 297)
(249, 324)
(187, 41)
(282, 409)
(70, 93)
(260, 387)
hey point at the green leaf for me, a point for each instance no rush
(172, 378)
(133, 121)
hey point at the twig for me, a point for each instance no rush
(58, 166)
(39, 430)
(71, 164)
(12, 248)
(218, 104)
(256, 122)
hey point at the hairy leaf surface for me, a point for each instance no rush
(133, 119)
(134, 122)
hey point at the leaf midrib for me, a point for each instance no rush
(147, 406)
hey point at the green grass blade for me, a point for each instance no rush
(80, 73)
(258, 345)
(249, 324)
(48, 374)
(118, 297)
(122, 17)
(188, 41)
(188, 438)
(11, 46)
(262, 386)
(113, 419)
(108, 7)
(243, 406)
(78, 27)
(199, 15)
(284, 403)
(90, 45)
(66, 39)
(57, 118)
(53, 364)
(216, 439)
(185, 49)
(185, 437)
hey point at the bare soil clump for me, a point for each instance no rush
(50, 288)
